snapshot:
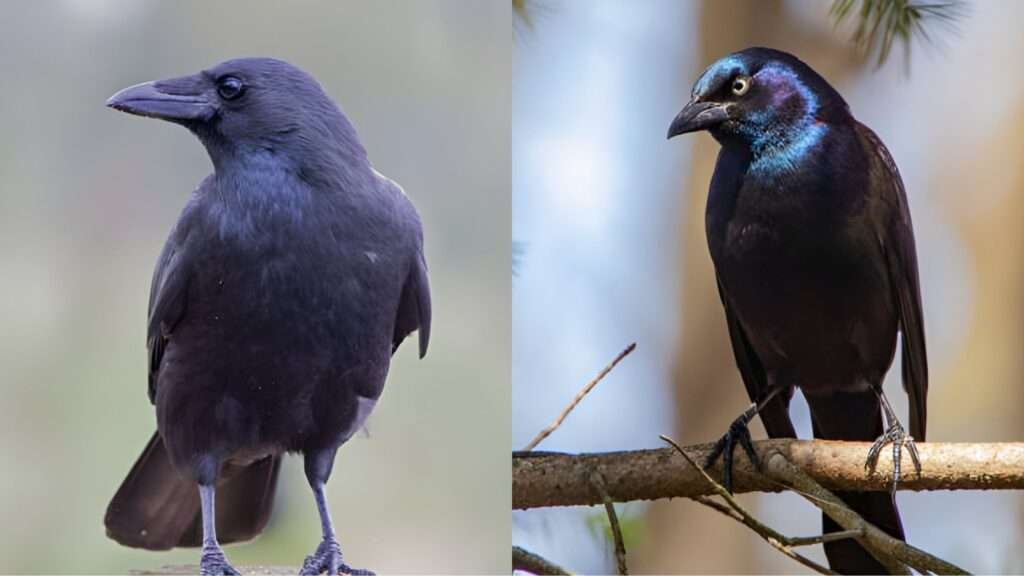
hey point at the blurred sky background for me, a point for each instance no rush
(89, 195)
(610, 217)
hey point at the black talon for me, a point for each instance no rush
(738, 433)
(748, 446)
(716, 451)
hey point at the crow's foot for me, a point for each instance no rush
(327, 559)
(213, 563)
(738, 433)
(899, 438)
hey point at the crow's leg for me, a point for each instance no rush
(212, 562)
(738, 433)
(894, 434)
(327, 558)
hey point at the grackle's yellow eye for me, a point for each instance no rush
(740, 85)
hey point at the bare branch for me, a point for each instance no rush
(579, 396)
(737, 512)
(553, 479)
(881, 545)
(529, 562)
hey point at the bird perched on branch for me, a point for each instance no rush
(810, 234)
(292, 275)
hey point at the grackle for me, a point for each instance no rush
(293, 273)
(810, 233)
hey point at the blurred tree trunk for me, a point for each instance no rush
(980, 394)
(683, 536)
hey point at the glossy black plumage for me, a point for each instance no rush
(292, 275)
(810, 233)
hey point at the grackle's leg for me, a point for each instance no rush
(894, 434)
(738, 433)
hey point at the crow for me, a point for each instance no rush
(290, 278)
(810, 234)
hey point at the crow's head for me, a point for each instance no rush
(765, 99)
(250, 107)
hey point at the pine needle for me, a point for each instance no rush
(883, 23)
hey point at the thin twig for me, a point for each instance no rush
(736, 511)
(881, 545)
(579, 396)
(613, 521)
(794, 541)
(824, 538)
(535, 564)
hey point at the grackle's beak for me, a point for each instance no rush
(150, 100)
(698, 116)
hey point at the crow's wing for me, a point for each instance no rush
(414, 307)
(775, 414)
(896, 235)
(168, 292)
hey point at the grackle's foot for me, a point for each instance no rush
(213, 563)
(327, 559)
(738, 433)
(899, 438)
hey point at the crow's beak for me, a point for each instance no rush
(147, 99)
(698, 116)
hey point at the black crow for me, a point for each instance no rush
(293, 273)
(810, 234)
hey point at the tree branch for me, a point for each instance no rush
(527, 561)
(737, 512)
(892, 552)
(541, 479)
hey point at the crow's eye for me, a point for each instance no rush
(230, 87)
(740, 85)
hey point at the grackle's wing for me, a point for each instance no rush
(775, 414)
(896, 236)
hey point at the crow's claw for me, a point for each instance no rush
(327, 559)
(213, 563)
(738, 433)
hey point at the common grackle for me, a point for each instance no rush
(810, 234)
(293, 273)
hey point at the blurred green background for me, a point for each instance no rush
(89, 195)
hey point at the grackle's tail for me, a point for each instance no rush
(854, 416)
(158, 509)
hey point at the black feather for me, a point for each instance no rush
(292, 274)
(810, 233)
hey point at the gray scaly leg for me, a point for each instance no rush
(212, 562)
(327, 557)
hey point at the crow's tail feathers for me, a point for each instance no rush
(854, 416)
(157, 509)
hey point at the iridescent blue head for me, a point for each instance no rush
(766, 100)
